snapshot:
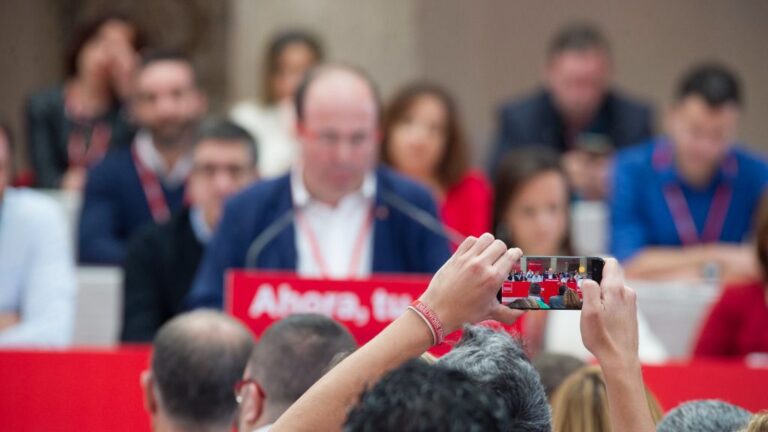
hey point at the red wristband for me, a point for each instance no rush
(430, 318)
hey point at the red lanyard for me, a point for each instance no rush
(158, 205)
(83, 156)
(314, 245)
(684, 223)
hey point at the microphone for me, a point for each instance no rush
(423, 217)
(267, 235)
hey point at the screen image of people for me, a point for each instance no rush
(546, 283)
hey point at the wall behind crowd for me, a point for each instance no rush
(489, 50)
(484, 50)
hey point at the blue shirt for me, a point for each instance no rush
(37, 270)
(640, 211)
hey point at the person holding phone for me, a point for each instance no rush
(532, 210)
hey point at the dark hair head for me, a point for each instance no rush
(226, 130)
(578, 37)
(554, 368)
(196, 360)
(277, 46)
(561, 289)
(417, 397)
(705, 416)
(517, 169)
(455, 159)
(294, 352)
(534, 289)
(151, 57)
(318, 72)
(87, 30)
(715, 83)
(498, 362)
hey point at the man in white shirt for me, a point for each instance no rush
(338, 214)
(37, 271)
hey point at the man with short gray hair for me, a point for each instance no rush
(197, 358)
(705, 416)
(497, 361)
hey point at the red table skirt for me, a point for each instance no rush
(98, 390)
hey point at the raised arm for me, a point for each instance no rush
(609, 332)
(462, 291)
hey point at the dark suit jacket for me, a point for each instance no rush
(48, 129)
(534, 121)
(401, 244)
(160, 266)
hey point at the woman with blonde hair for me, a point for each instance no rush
(580, 403)
(571, 299)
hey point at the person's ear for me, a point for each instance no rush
(252, 405)
(147, 384)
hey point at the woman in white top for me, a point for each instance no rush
(271, 120)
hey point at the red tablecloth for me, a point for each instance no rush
(98, 390)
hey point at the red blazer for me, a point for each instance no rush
(737, 325)
(468, 205)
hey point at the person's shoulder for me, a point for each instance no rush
(33, 207)
(262, 194)
(392, 182)
(473, 181)
(51, 97)
(525, 104)
(736, 294)
(750, 160)
(638, 155)
(629, 104)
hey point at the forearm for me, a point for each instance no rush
(628, 405)
(665, 262)
(324, 406)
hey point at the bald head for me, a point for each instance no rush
(197, 358)
(337, 111)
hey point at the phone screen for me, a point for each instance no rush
(549, 282)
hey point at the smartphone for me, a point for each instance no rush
(549, 282)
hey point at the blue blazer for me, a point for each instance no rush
(114, 207)
(257, 231)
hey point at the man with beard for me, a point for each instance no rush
(144, 182)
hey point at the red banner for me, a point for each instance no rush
(364, 306)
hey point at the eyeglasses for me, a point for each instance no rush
(240, 385)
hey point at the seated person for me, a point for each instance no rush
(577, 114)
(424, 139)
(580, 403)
(531, 211)
(37, 270)
(271, 120)
(682, 205)
(534, 293)
(571, 299)
(558, 301)
(464, 291)
(336, 214)
(705, 416)
(162, 260)
(736, 323)
(292, 354)
(197, 358)
(71, 126)
(144, 182)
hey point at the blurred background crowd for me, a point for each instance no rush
(630, 130)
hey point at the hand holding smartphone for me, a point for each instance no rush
(549, 282)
